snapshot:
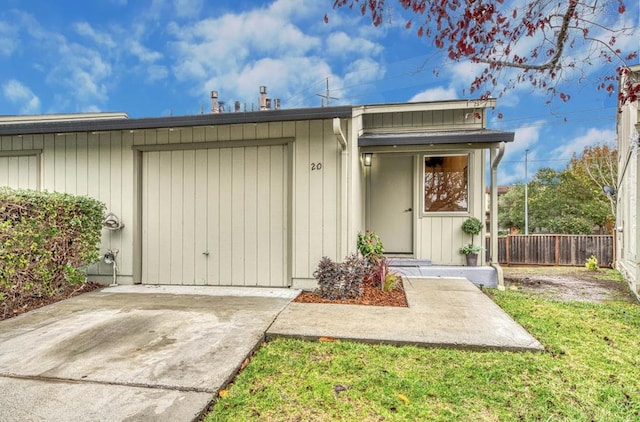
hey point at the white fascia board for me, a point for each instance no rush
(424, 106)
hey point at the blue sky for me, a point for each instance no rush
(153, 58)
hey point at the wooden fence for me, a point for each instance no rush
(554, 249)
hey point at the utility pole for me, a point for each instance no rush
(526, 191)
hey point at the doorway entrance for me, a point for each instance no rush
(390, 205)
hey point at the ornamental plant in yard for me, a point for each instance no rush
(370, 245)
(471, 226)
(47, 240)
(592, 263)
(340, 280)
(385, 278)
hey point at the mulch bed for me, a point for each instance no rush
(371, 296)
(31, 303)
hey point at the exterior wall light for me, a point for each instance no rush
(367, 157)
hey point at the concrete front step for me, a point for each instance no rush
(480, 276)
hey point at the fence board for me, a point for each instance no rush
(554, 249)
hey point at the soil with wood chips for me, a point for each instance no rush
(371, 296)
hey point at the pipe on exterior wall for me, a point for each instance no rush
(493, 220)
(337, 130)
(498, 158)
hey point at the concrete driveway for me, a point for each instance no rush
(130, 352)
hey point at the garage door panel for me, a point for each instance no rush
(177, 220)
(165, 222)
(213, 213)
(237, 215)
(263, 206)
(220, 214)
(191, 254)
(200, 224)
(225, 244)
(151, 218)
(250, 241)
(277, 213)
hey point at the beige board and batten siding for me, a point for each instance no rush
(91, 164)
(438, 236)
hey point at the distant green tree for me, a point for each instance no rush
(559, 202)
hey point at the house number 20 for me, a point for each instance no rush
(316, 166)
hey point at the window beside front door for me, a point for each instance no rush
(446, 187)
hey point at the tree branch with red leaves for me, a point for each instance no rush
(543, 42)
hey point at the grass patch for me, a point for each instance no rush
(591, 371)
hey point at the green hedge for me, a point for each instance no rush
(47, 240)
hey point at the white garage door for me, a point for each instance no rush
(215, 216)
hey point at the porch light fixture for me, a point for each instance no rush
(367, 157)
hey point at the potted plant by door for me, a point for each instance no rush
(471, 226)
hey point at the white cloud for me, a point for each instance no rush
(592, 136)
(8, 39)
(100, 38)
(17, 93)
(513, 168)
(435, 94)
(342, 44)
(82, 71)
(237, 52)
(143, 53)
(187, 8)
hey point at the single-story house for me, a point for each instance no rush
(628, 190)
(258, 198)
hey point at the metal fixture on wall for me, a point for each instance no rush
(367, 158)
(609, 191)
(110, 259)
(112, 222)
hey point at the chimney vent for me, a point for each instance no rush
(221, 106)
(214, 102)
(236, 106)
(263, 97)
(276, 103)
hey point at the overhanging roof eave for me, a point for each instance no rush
(176, 121)
(482, 137)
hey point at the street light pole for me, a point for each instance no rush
(526, 191)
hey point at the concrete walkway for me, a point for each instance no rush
(138, 353)
(442, 312)
(152, 353)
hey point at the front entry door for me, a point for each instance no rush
(391, 202)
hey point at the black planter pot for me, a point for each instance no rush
(472, 259)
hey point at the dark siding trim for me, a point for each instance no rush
(177, 121)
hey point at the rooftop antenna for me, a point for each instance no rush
(326, 96)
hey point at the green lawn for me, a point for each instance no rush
(591, 371)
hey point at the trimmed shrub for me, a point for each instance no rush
(47, 241)
(340, 280)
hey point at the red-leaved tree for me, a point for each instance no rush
(542, 42)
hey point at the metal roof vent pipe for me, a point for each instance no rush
(263, 97)
(221, 106)
(214, 102)
(276, 103)
(236, 106)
